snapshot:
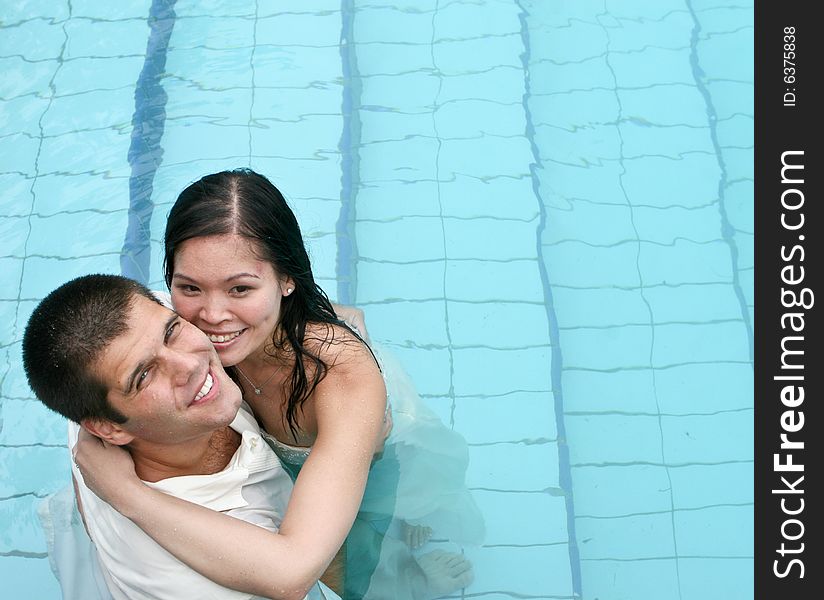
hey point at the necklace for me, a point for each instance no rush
(258, 389)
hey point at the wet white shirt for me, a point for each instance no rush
(253, 487)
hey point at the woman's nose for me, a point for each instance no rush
(213, 310)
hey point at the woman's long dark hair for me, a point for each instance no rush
(246, 203)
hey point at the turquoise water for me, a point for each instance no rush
(544, 207)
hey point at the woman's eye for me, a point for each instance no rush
(241, 289)
(187, 289)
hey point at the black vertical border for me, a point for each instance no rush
(787, 121)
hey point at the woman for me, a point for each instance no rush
(237, 268)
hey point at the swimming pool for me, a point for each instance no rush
(544, 207)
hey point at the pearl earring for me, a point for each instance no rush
(288, 291)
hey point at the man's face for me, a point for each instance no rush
(164, 375)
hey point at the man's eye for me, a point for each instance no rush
(170, 331)
(142, 378)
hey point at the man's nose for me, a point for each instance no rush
(183, 364)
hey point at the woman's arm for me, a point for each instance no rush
(349, 405)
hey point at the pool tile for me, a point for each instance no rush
(607, 538)
(634, 35)
(96, 109)
(534, 571)
(101, 152)
(458, 57)
(697, 342)
(388, 57)
(497, 325)
(504, 84)
(80, 234)
(490, 239)
(429, 367)
(693, 303)
(392, 125)
(513, 467)
(579, 265)
(716, 531)
(400, 160)
(629, 391)
(510, 518)
(648, 579)
(587, 222)
(19, 152)
(29, 422)
(42, 275)
(307, 29)
(730, 483)
(685, 262)
(304, 138)
(379, 281)
(13, 234)
(39, 470)
(106, 73)
(31, 574)
(622, 439)
(482, 371)
(549, 77)
(644, 178)
(389, 200)
(476, 280)
(495, 418)
(713, 579)
(35, 40)
(619, 491)
(21, 529)
(419, 323)
(408, 92)
(22, 115)
(409, 27)
(495, 197)
(608, 348)
(126, 9)
(89, 38)
(459, 20)
(598, 307)
(708, 438)
(641, 138)
(399, 240)
(704, 388)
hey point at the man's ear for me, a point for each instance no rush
(107, 430)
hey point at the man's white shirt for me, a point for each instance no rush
(253, 487)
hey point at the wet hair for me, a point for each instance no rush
(245, 203)
(67, 334)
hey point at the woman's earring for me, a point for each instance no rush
(288, 291)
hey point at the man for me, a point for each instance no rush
(105, 353)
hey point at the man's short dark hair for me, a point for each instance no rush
(66, 335)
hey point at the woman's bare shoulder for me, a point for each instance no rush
(339, 348)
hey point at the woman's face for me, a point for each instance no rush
(220, 285)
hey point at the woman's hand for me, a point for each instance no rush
(107, 470)
(353, 317)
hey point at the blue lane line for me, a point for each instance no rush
(350, 161)
(145, 152)
(564, 467)
(727, 230)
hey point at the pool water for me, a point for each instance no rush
(544, 207)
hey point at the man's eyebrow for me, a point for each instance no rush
(142, 364)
